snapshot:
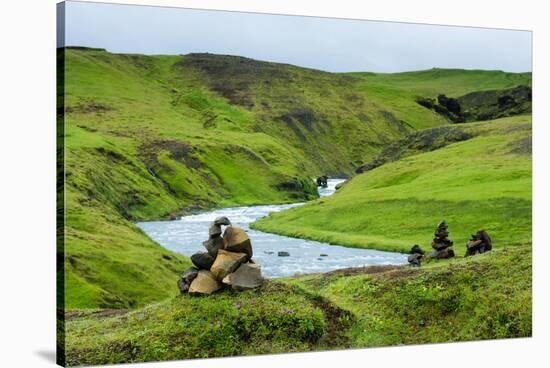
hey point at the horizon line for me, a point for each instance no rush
(95, 48)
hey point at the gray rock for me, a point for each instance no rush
(247, 276)
(323, 255)
(186, 278)
(222, 220)
(214, 230)
(212, 245)
(283, 254)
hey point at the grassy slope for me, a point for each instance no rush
(484, 297)
(483, 182)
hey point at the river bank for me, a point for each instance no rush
(186, 235)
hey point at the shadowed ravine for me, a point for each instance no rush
(187, 234)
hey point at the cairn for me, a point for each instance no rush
(441, 244)
(227, 261)
(479, 242)
(416, 256)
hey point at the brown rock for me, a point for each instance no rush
(247, 276)
(236, 240)
(226, 263)
(204, 284)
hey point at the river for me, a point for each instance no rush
(186, 235)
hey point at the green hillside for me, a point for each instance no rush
(399, 92)
(475, 175)
(483, 297)
(151, 137)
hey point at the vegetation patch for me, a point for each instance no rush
(482, 297)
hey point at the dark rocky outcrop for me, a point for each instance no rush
(300, 188)
(417, 142)
(481, 105)
(322, 181)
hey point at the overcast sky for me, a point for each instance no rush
(336, 45)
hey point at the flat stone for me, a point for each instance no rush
(283, 254)
(236, 240)
(204, 284)
(247, 276)
(226, 263)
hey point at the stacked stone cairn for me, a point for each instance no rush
(416, 256)
(479, 242)
(227, 262)
(441, 244)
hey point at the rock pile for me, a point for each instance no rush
(479, 242)
(441, 244)
(227, 261)
(416, 255)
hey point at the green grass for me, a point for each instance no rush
(482, 182)
(272, 319)
(483, 297)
